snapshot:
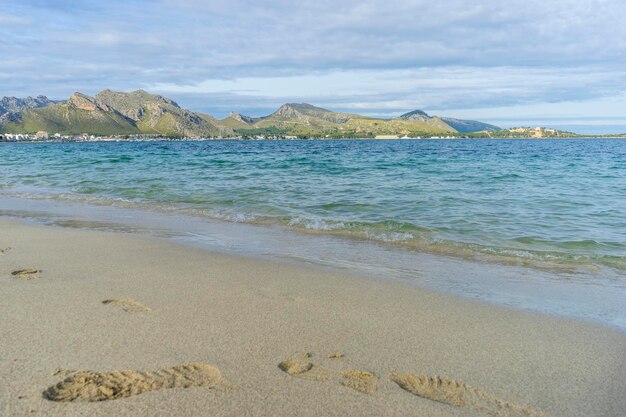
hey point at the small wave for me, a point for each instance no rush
(414, 238)
(511, 176)
(315, 224)
(574, 256)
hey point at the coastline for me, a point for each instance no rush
(245, 316)
(594, 296)
(281, 138)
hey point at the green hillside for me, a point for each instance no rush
(139, 112)
(111, 113)
(305, 120)
(75, 116)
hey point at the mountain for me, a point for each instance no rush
(415, 115)
(156, 114)
(238, 121)
(466, 126)
(139, 112)
(306, 120)
(459, 125)
(110, 113)
(78, 114)
(10, 107)
(308, 113)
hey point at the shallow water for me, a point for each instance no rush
(550, 210)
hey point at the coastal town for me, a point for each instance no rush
(40, 136)
(85, 137)
(43, 136)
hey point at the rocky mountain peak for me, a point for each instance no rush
(288, 110)
(416, 115)
(144, 95)
(14, 104)
(242, 118)
(84, 102)
(299, 110)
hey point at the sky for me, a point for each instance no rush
(557, 63)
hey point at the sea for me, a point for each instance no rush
(538, 225)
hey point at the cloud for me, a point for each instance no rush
(375, 56)
(434, 88)
(11, 20)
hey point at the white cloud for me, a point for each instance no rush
(9, 20)
(370, 55)
(436, 88)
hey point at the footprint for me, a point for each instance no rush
(301, 366)
(361, 381)
(128, 304)
(458, 394)
(91, 386)
(27, 273)
(5, 250)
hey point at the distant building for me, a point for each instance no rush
(42, 135)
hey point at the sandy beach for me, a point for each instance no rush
(111, 324)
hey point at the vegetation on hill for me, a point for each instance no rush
(11, 107)
(525, 132)
(115, 113)
(459, 125)
(305, 120)
(469, 126)
(139, 112)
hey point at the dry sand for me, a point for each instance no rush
(120, 325)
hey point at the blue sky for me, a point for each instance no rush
(559, 63)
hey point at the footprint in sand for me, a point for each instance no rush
(88, 386)
(5, 250)
(26, 274)
(448, 391)
(127, 304)
(362, 381)
(301, 366)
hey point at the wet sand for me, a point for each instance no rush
(110, 324)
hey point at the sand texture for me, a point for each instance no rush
(127, 304)
(101, 386)
(297, 366)
(272, 339)
(458, 394)
(361, 381)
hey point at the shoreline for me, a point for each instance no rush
(553, 292)
(245, 316)
(241, 138)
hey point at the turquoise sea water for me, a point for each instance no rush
(544, 205)
(558, 202)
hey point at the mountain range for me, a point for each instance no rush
(11, 107)
(139, 112)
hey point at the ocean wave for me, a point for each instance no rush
(527, 251)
